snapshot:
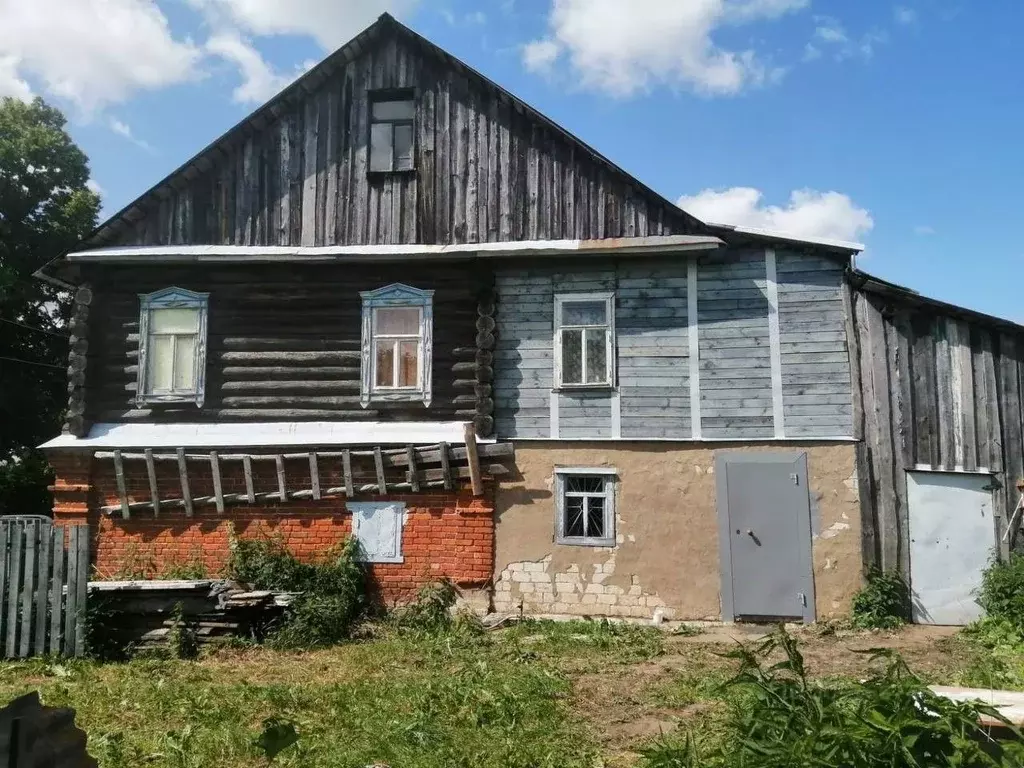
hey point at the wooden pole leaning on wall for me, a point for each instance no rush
(475, 478)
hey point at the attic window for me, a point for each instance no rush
(392, 131)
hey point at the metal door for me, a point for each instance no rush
(952, 540)
(765, 536)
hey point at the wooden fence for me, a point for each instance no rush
(43, 584)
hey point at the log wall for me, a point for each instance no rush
(284, 343)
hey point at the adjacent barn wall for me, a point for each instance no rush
(284, 343)
(939, 391)
(749, 381)
(487, 169)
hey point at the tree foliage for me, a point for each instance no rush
(45, 209)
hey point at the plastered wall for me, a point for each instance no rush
(667, 532)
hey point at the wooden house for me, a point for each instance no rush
(399, 304)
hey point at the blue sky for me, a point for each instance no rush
(898, 124)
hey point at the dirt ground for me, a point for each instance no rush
(631, 702)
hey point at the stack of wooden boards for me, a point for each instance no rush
(147, 612)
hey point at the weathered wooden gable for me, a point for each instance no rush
(487, 167)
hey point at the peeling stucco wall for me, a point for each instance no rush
(666, 558)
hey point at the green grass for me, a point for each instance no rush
(448, 700)
(538, 694)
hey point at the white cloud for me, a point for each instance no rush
(93, 186)
(623, 48)
(124, 130)
(905, 15)
(809, 213)
(540, 55)
(10, 83)
(830, 32)
(330, 22)
(924, 230)
(259, 81)
(91, 52)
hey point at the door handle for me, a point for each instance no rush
(753, 536)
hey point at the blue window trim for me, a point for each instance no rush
(398, 295)
(172, 298)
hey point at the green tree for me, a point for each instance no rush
(45, 209)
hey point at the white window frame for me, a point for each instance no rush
(610, 478)
(561, 299)
(358, 509)
(397, 296)
(172, 298)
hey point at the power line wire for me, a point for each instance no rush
(37, 330)
(32, 362)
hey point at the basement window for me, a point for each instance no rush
(377, 527)
(392, 131)
(172, 347)
(585, 504)
(584, 331)
(397, 344)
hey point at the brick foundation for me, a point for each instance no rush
(446, 534)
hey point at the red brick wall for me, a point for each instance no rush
(447, 534)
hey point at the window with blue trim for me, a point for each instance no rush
(172, 347)
(397, 344)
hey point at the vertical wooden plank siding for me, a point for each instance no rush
(693, 346)
(27, 592)
(57, 591)
(43, 587)
(941, 392)
(14, 585)
(486, 170)
(80, 541)
(5, 566)
(71, 605)
(774, 342)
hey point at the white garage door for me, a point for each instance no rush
(952, 541)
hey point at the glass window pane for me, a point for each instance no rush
(572, 357)
(403, 321)
(185, 363)
(403, 148)
(394, 110)
(574, 525)
(595, 516)
(597, 356)
(409, 367)
(160, 363)
(584, 484)
(174, 321)
(584, 313)
(380, 147)
(385, 364)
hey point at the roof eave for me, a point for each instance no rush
(839, 246)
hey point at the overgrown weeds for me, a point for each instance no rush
(1002, 592)
(779, 718)
(331, 591)
(882, 603)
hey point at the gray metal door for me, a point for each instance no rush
(765, 536)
